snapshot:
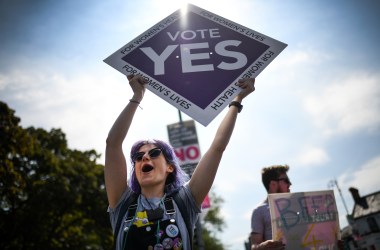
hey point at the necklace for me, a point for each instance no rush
(154, 214)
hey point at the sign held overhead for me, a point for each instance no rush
(193, 58)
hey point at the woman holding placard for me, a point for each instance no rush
(158, 208)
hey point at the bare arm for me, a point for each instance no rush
(115, 171)
(205, 172)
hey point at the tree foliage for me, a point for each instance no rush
(52, 197)
(212, 224)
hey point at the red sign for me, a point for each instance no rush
(188, 154)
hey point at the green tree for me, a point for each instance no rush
(51, 197)
(212, 224)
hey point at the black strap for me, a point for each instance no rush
(182, 207)
(131, 212)
(124, 208)
(169, 207)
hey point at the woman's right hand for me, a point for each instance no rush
(137, 84)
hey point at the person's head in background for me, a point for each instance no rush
(275, 179)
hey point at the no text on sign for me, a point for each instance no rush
(193, 58)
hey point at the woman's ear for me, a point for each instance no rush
(170, 168)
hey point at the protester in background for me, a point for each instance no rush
(275, 180)
(155, 175)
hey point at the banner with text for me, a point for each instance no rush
(193, 58)
(305, 220)
(183, 137)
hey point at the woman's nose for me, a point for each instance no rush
(145, 156)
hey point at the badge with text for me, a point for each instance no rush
(193, 58)
(305, 220)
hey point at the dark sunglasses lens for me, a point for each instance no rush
(154, 152)
(138, 156)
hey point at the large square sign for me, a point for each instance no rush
(305, 220)
(193, 58)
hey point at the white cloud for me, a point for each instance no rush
(347, 105)
(300, 57)
(365, 178)
(291, 60)
(79, 105)
(312, 156)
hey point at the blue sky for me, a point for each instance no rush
(316, 106)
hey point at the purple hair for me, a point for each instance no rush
(174, 180)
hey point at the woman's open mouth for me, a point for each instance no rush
(146, 168)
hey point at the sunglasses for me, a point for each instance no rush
(153, 153)
(286, 180)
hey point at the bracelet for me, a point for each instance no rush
(131, 100)
(236, 104)
(134, 101)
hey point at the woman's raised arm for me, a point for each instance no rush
(115, 171)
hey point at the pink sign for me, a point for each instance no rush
(305, 220)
